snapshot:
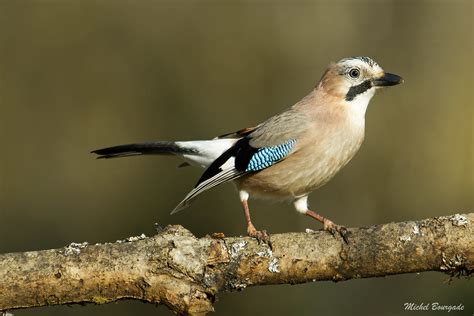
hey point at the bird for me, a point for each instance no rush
(289, 155)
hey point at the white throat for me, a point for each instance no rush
(358, 106)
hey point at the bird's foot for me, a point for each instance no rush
(260, 235)
(333, 229)
(329, 225)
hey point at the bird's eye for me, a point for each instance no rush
(354, 73)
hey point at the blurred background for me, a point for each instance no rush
(81, 75)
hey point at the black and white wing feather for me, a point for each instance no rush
(221, 170)
(258, 148)
(237, 161)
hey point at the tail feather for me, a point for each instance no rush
(195, 153)
(150, 148)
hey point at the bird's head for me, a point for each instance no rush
(355, 80)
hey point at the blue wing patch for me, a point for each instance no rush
(267, 156)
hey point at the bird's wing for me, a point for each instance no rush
(290, 124)
(267, 144)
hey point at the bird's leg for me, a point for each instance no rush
(260, 235)
(301, 205)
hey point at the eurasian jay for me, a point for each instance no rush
(290, 154)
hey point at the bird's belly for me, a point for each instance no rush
(302, 172)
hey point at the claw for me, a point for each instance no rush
(261, 236)
(333, 229)
(344, 233)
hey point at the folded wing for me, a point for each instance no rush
(258, 148)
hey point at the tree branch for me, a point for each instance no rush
(185, 273)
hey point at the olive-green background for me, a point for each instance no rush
(78, 75)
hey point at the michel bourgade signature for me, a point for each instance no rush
(434, 306)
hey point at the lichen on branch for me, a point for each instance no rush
(186, 273)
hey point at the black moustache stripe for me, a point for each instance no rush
(356, 90)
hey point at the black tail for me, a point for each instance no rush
(151, 148)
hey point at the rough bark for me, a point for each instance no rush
(185, 273)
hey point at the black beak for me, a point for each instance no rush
(387, 80)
